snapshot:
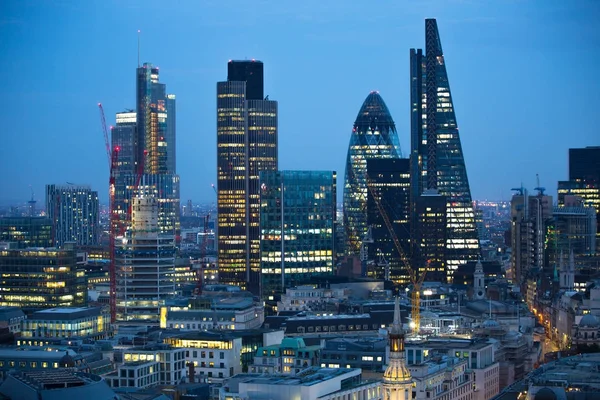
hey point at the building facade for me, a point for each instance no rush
(26, 231)
(246, 145)
(81, 323)
(297, 217)
(145, 265)
(430, 236)
(436, 151)
(171, 361)
(373, 136)
(390, 180)
(35, 279)
(74, 212)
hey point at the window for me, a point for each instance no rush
(222, 355)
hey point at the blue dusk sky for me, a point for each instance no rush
(523, 74)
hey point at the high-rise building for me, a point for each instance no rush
(584, 181)
(390, 180)
(26, 231)
(430, 236)
(36, 278)
(584, 164)
(246, 145)
(529, 220)
(373, 136)
(154, 131)
(123, 136)
(436, 152)
(73, 210)
(145, 265)
(146, 139)
(297, 218)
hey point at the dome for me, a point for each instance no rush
(66, 361)
(396, 372)
(589, 320)
(545, 394)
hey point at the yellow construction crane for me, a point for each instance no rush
(416, 281)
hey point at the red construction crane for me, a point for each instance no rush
(105, 132)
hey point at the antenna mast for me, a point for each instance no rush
(139, 48)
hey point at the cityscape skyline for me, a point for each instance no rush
(300, 148)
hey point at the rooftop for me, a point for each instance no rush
(66, 313)
(308, 377)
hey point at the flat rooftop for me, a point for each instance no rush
(69, 313)
(307, 377)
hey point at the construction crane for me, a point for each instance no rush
(113, 164)
(539, 188)
(416, 281)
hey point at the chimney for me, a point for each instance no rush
(191, 371)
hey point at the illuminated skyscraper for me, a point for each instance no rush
(373, 136)
(436, 152)
(246, 145)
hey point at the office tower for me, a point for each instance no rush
(73, 210)
(37, 278)
(26, 231)
(530, 216)
(145, 264)
(155, 133)
(436, 151)
(123, 136)
(373, 136)
(390, 180)
(584, 181)
(397, 381)
(429, 251)
(584, 164)
(573, 229)
(246, 145)
(297, 228)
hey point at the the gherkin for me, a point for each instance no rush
(373, 136)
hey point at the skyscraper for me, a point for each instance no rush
(246, 145)
(390, 179)
(145, 262)
(373, 136)
(436, 152)
(297, 217)
(73, 210)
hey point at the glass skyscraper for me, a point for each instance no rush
(390, 179)
(26, 231)
(373, 136)
(436, 152)
(297, 218)
(246, 145)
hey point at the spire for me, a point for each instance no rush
(397, 324)
(571, 262)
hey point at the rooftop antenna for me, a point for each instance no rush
(139, 48)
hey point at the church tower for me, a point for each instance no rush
(397, 382)
(478, 282)
(567, 272)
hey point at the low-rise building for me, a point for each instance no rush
(366, 353)
(171, 361)
(215, 355)
(291, 356)
(11, 318)
(447, 378)
(77, 323)
(135, 374)
(31, 359)
(312, 383)
(215, 312)
(59, 384)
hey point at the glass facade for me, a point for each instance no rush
(35, 279)
(390, 179)
(123, 136)
(437, 157)
(373, 136)
(297, 218)
(246, 145)
(73, 211)
(26, 231)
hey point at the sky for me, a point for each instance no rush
(523, 75)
